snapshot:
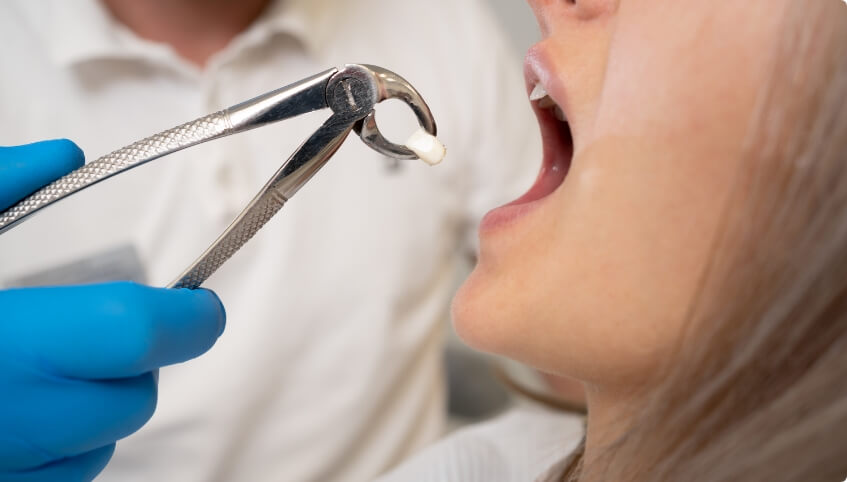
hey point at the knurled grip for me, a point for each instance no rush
(186, 135)
(237, 234)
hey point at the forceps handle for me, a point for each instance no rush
(298, 98)
(300, 167)
(186, 135)
(260, 210)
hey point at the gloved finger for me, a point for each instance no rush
(53, 419)
(25, 169)
(111, 330)
(80, 468)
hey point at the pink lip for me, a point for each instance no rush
(558, 151)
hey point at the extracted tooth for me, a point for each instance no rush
(538, 93)
(560, 114)
(427, 147)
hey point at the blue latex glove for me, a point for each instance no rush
(78, 364)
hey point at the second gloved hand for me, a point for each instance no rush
(77, 370)
(78, 364)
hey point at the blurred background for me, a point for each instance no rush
(518, 21)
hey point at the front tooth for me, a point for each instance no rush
(538, 93)
(560, 114)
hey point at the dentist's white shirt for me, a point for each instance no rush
(330, 367)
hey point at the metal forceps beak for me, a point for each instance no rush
(351, 92)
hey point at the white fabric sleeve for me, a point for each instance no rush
(522, 444)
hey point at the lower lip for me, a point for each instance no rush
(548, 180)
(557, 158)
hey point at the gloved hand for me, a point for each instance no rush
(78, 364)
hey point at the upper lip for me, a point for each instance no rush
(537, 70)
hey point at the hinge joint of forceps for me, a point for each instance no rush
(350, 92)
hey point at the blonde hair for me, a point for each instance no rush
(760, 392)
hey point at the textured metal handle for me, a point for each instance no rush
(296, 171)
(186, 135)
(350, 92)
(245, 226)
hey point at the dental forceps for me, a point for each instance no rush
(351, 92)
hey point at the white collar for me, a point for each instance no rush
(96, 35)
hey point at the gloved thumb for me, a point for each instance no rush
(24, 169)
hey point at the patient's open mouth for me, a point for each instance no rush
(558, 146)
(558, 152)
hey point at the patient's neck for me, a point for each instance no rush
(610, 415)
(196, 29)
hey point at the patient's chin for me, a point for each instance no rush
(480, 315)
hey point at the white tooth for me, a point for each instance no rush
(426, 147)
(560, 114)
(538, 93)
